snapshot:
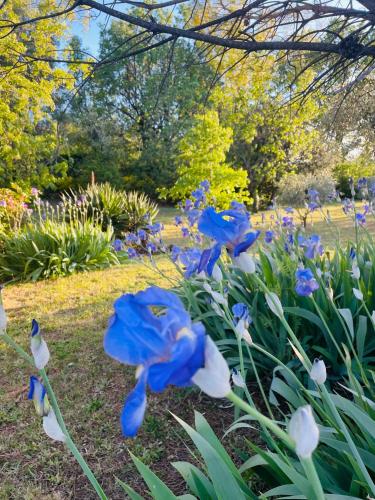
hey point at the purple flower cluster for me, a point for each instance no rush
(306, 283)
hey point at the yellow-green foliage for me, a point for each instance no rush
(202, 155)
(28, 135)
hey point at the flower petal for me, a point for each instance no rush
(250, 239)
(52, 428)
(134, 408)
(40, 352)
(187, 357)
(214, 377)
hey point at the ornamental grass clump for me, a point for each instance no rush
(48, 249)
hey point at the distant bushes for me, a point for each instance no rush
(293, 188)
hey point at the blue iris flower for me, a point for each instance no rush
(178, 220)
(166, 346)
(241, 311)
(312, 244)
(362, 183)
(268, 236)
(360, 218)
(230, 229)
(132, 254)
(306, 283)
(190, 259)
(117, 245)
(205, 185)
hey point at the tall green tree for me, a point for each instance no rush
(202, 156)
(270, 138)
(27, 86)
(135, 111)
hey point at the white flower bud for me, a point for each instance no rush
(214, 377)
(330, 293)
(217, 274)
(243, 332)
(274, 304)
(219, 298)
(356, 273)
(358, 294)
(217, 310)
(304, 431)
(318, 371)
(237, 379)
(39, 348)
(245, 262)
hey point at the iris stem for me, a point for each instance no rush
(313, 477)
(262, 419)
(53, 401)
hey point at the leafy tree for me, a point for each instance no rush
(28, 134)
(202, 155)
(270, 138)
(133, 112)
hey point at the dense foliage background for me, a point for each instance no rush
(147, 122)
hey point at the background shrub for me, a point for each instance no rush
(292, 188)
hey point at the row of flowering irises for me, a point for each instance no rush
(153, 331)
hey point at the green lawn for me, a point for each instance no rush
(73, 313)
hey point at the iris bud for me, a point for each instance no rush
(245, 262)
(358, 294)
(304, 431)
(217, 274)
(38, 346)
(274, 304)
(318, 371)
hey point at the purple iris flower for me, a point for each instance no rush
(151, 247)
(289, 210)
(190, 260)
(360, 218)
(347, 206)
(185, 232)
(199, 195)
(178, 220)
(288, 222)
(132, 254)
(230, 228)
(155, 228)
(167, 347)
(313, 205)
(306, 283)
(131, 238)
(117, 245)
(362, 183)
(352, 253)
(188, 205)
(241, 311)
(142, 235)
(268, 236)
(205, 185)
(313, 195)
(175, 252)
(193, 216)
(312, 244)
